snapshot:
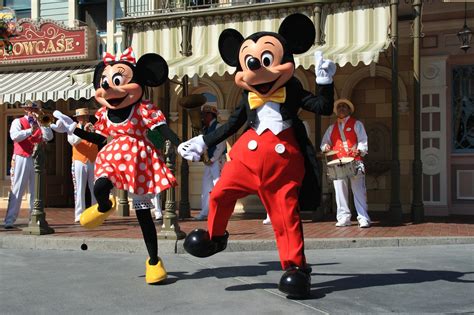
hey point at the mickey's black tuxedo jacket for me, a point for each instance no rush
(296, 98)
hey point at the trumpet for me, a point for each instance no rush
(44, 119)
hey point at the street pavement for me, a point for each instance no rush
(418, 279)
(247, 233)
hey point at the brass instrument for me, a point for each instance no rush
(44, 119)
(192, 103)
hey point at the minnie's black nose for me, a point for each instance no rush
(253, 64)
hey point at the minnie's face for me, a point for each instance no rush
(262, 70)
(115, 90)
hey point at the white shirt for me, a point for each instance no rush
(362, 141)
(18, 134)
(269, 117)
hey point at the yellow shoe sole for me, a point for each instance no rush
(156, 273)
(92, 218)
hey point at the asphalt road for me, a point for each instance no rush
(425, 279)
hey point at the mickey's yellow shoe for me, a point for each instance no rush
(92, 218)
(155, 273)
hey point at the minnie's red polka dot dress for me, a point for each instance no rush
(130, 160)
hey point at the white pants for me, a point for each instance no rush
(212, 173)
(22, 176)
(82, 174)
(360, 198)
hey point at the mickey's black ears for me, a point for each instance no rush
(229, 44)
(298, 31)
(152, 70)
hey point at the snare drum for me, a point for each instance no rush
(341, 168)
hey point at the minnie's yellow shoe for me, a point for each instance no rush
(92, 218)
(155, 273)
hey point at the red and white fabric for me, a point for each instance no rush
(130, 160)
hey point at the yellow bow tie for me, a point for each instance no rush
(256, 100)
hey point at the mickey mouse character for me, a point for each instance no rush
(274, 154)
(129, 161)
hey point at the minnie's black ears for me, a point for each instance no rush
(151, 70)
(229, 45)
(98, 74)
(298, 31)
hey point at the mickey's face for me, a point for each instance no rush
(115, 89)
(262, 70)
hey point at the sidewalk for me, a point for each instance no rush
(246, 233)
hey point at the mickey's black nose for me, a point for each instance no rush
(105, 85)
(253, 64)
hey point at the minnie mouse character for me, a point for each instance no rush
(129, 161)
(274, 157)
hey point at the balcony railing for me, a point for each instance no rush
(102, 44)
(135, 8)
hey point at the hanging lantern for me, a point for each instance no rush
(465, 34)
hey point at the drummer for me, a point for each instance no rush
(349, 139)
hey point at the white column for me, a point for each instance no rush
(434, 157)
(110, 26)
(35, 9)
(72, 16)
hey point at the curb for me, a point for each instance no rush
(127, 245)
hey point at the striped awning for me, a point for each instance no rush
(351, 35)
(44, 85)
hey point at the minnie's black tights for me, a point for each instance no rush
(149, 234)
(102, 188)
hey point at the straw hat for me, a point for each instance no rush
(208, 108)
(31, 105)
(82, 112)
(343, 101)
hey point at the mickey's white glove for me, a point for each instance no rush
(68, 124)
(192, 149)
(58, 126)
(325, 69)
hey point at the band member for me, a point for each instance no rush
(83, 158)
(273, 158)
(348, 137)
(26, 133)
(130, 161)
(216, 154)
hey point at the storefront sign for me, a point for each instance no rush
(45, 40)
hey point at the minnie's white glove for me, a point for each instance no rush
(68, 124)
(325, 69)
(192, 149)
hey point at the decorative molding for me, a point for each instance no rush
(382, 72)
(431, 161)
(224, 114)
(207, 85)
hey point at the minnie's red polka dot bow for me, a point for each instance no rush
(127, 55)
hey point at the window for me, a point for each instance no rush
(22, 7)
(94, 14)
(463, 109)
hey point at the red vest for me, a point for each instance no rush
(351, 138)
(25, 147)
